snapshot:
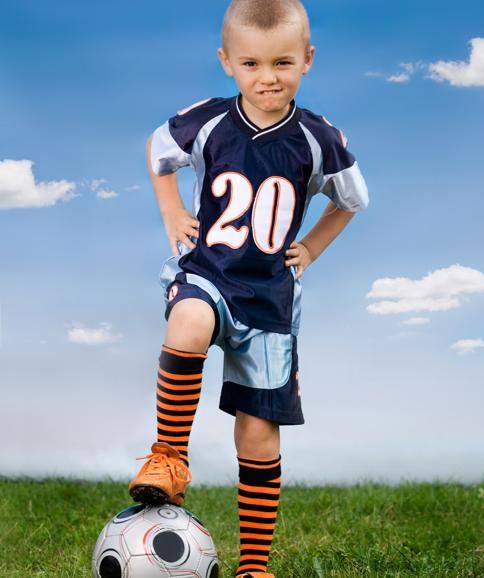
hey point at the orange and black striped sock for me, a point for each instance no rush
(258, 500)
(178, 392)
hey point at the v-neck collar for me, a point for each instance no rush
(262, 134)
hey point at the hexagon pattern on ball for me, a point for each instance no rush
(155, 542)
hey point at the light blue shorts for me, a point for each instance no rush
(260, 369)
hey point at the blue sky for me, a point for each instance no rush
(392, 383)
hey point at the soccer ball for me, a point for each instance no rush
(155, 542)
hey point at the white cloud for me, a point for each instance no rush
(399, 78)
(416, 321)
(95, 183)
(456, 72)
(464, 346)
(133, 188)
(93, 336)
(101, 193)
(18, 188)
(439, 290)
(104, 194)
(460, 73)
(409, 68)
(412, 67)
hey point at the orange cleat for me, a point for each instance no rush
(162, 479)
(255, 575)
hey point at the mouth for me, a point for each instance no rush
(270, 92)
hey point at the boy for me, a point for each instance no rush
(236, 283)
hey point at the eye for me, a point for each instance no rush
(249, 64)
(284, 62)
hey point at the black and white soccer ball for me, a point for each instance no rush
(155, 542)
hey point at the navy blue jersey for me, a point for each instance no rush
(253, 187)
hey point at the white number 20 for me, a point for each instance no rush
(272, 213)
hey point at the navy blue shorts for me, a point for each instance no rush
(260, 373)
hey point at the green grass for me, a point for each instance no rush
(48, 528)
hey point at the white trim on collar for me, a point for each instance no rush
(242, 115)
(262, 132)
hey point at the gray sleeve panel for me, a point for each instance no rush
(198, 161)
(346, 188)
(166, 156)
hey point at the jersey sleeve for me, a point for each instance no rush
(340, 178)
(172, 142)
(166, 155)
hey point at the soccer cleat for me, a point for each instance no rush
(255, 575)
(162, 479)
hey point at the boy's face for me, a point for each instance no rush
(267, 65)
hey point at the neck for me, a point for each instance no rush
(261, 118)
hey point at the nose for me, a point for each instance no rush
(268, 76)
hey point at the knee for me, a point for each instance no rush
(190, 325)
(256, 437)
(193, 313)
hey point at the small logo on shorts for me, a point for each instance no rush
(297, 379)
(173, 292)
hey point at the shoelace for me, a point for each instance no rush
(160, 461)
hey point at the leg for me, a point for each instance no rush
(166, 474)
(258, 445)
(190, 326)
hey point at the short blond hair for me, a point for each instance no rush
(265, 15)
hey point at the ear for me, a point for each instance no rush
(308, 58)
(224, 61)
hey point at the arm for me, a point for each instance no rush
(329, 226)
(179, 223)
(340, 179)
(165, 187)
